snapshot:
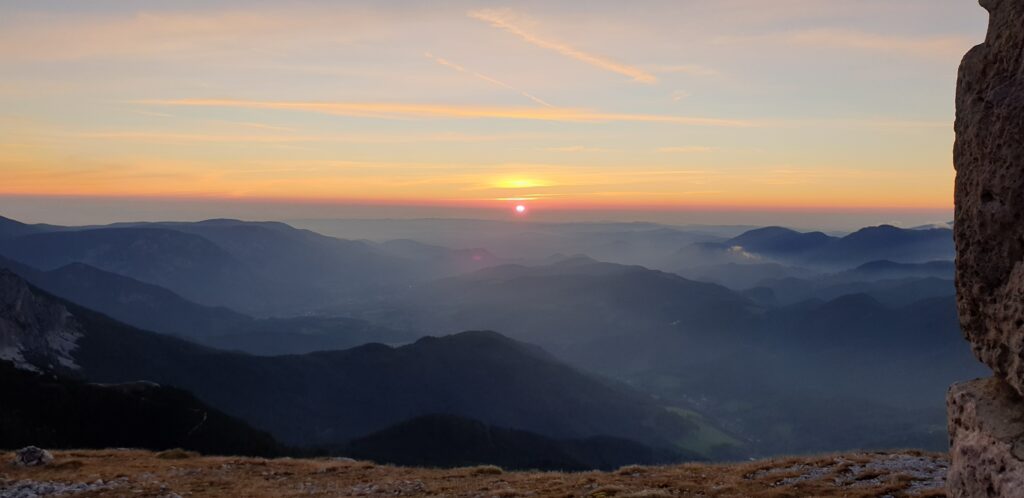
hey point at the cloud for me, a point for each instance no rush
(503, 19)
(383, 110)
(260, 126)
(692, 69)
(180, 138)
(447, 63)
(690, 148)
(519, 183)
(575, 148)
(891, 123)
(919, 46)
(154, 114)
(926, 46)
(679, 95)
(163, 34)
(393, 110)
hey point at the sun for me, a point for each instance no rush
(520, 209)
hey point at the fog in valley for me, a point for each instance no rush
(601, 342)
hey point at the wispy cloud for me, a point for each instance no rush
(575, 148)
(144, 112)
(446, 63)
(174, 33)
(920, 46)
(891, 123)
(692, 69)
(503, 19)
(170, 137)
(679, 95)
(391, 110)
(685, 149)
(412, 111)
(260, 126)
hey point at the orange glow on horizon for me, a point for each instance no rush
(549, 205)
(552, 108)
(465, 185)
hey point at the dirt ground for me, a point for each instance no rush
(134, 473)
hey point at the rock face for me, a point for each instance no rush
(35, 333)
(986, 428)
(989, 160)
(31, 456)
(986, 416)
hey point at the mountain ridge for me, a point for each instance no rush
(309, 399)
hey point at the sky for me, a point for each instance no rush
(683, 110)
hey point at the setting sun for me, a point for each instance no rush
(522, 100)
(480, 247)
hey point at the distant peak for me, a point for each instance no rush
(469, 335)
(575, 260)
(219, 221)
(878, 229)
(772, 229)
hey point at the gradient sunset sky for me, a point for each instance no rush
(688, 106)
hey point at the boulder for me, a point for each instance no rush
(31, 456)
(986, 417)
(989, 220)
(986, 430)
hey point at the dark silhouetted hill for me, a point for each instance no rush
(154, 308)
(57, 412)
(450, 441)
(331, 397)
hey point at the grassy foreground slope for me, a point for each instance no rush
(140, 473)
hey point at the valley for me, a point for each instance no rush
(572, 357)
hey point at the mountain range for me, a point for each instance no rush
(818, 250)
(755, 334)
(888, 347)
(259, 268)
(154, 308)
(328, 398)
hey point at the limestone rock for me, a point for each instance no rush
(31, 456)
(36, 332)
(986, 430)
(989, 222)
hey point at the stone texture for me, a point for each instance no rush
(36, 333)
(986, 417)
(989, 160)
(31, 456)
(986, 430)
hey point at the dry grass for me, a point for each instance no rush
(486, 470)
(176, 454)
(648, 493)
(142, 473)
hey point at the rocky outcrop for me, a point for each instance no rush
(986, 425)
(31, 456)
(36, 333)
(986, 417)
(989, 160)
